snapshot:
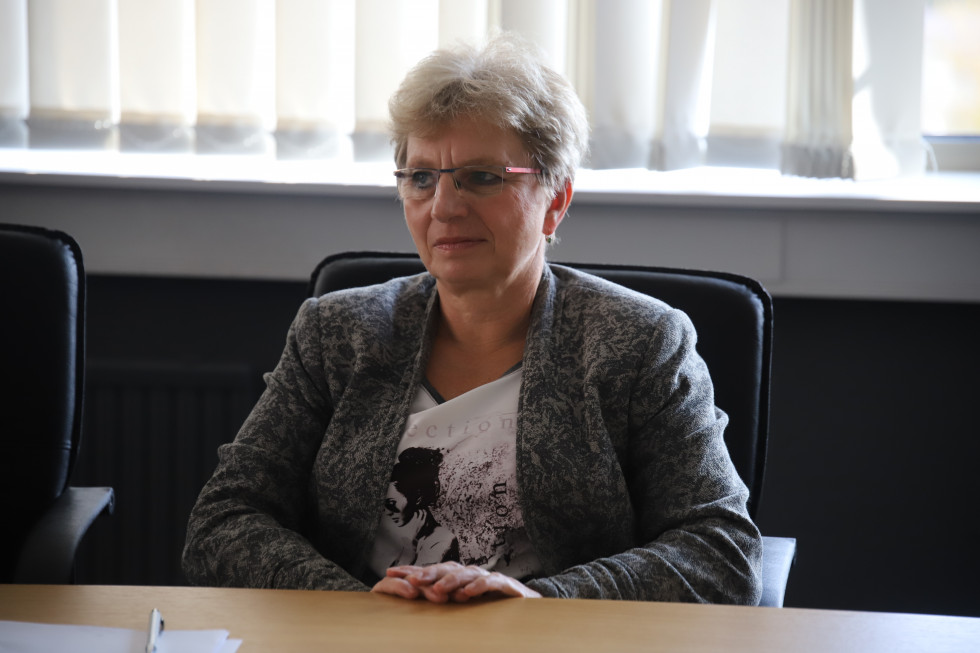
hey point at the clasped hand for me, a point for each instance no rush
(449, 581)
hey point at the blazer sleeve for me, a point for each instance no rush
(245, 529)
(697, 542)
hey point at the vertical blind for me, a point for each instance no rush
(826, 88)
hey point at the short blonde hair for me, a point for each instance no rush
(503, 83)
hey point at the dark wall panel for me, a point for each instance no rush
(875, 443)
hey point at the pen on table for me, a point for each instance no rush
(156, 627)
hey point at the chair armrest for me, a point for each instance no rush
(48, 553)
(778, 556)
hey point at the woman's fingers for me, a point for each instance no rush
(495, 583)
(449, 581)
(402, 571)
(396, 587)
(427, 575)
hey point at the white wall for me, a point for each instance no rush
(795, 247)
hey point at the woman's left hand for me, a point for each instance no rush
(449, 581)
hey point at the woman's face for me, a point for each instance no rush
(396, 506)
(476, 242)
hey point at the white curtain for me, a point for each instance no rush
(156, 61)
(314, 84)
(814, 87)
(73, 60)
(619, 78)
(73, 72)
(14, 101)
(748, 83)
(887, 78)
(854, 89)
(157, 79)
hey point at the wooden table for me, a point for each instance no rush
(285, 621)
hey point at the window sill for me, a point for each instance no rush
(948, 192)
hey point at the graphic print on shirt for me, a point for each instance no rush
(413, 490)
(458, 497)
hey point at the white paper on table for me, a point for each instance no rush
(25, 637)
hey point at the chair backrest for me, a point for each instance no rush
(732, 315)
(42, 355)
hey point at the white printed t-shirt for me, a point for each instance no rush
(453, 493)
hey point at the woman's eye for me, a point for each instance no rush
(423, 178)
(483, 177)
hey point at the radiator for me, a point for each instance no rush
(151, 431)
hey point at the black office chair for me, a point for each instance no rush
(42, 364)
(733, 318)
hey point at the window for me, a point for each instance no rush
(951, 82)
(812, 87)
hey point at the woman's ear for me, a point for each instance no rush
(558, 208)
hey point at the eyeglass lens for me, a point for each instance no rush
(420, 183)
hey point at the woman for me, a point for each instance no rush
(581, 451)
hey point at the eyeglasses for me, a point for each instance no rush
(481, 181)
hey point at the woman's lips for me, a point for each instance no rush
(451, 244)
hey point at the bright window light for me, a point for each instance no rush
(951, 69)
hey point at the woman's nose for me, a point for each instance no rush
(447, 202)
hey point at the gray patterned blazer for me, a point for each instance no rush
(625, 483)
